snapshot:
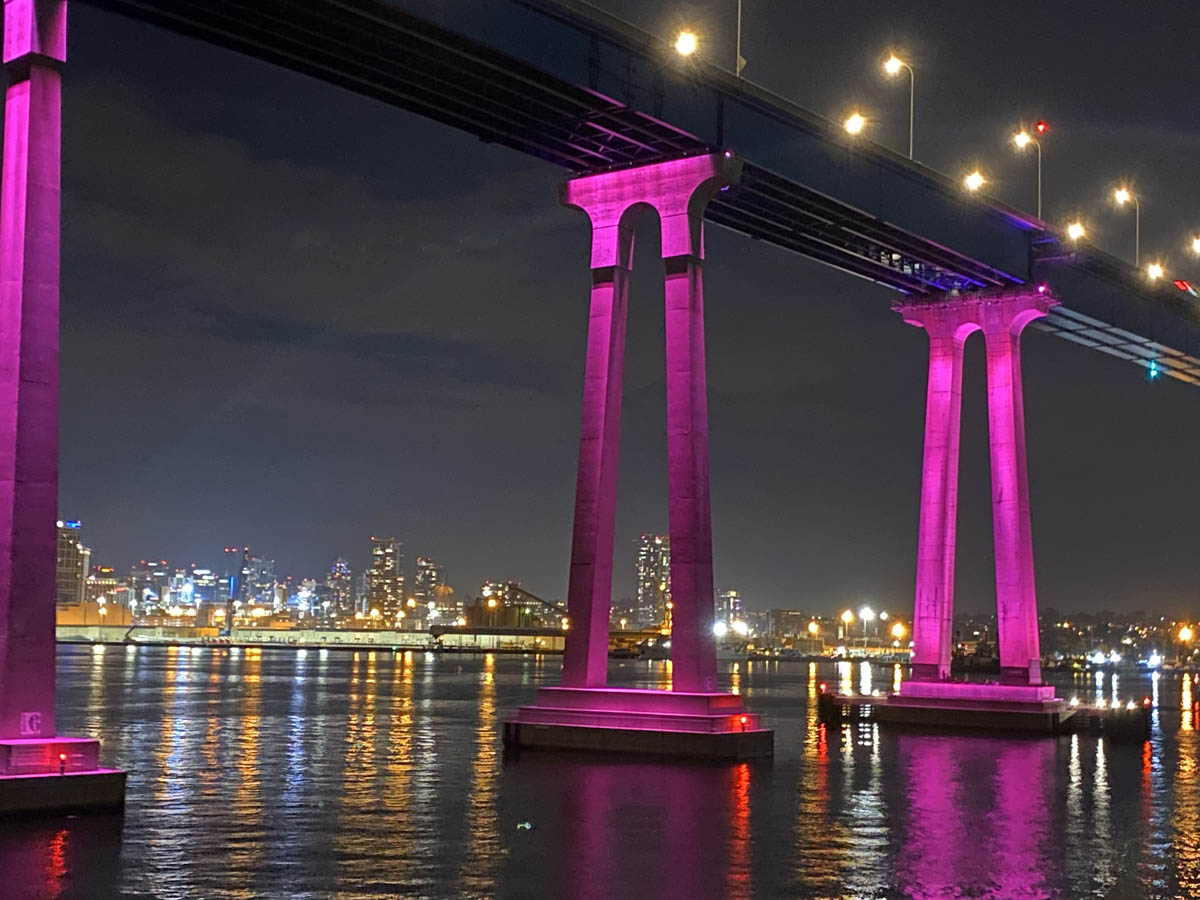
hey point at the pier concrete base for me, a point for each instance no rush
(952, 706)
(621, 720)
(57, 775)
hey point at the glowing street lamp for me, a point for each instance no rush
(1076, 231)
(1154, 271)
(1023, 139)
(898, 631)
(974, 181)
(1186, 633)
(893, 66)
(813, 628)
(1196, 245)
(1123, 195)
(855, 123)
(686, 43)
(867, 615)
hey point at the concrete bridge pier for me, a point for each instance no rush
(1018, 699)
(692, 719)
(40, 771)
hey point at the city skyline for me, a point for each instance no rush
(364, 352)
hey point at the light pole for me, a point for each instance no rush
(867, 615)
(1023, 139)
(738, 62)
(1123, 196)
(893, 66)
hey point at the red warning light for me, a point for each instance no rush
(1041, 127)
(823, 687)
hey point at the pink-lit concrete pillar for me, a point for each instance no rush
(934, 607)
(30, 204)
(1016, 597)
(589, 592)
(678, 190)
(950, 321)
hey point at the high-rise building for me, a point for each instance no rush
(261, 583)
(205, 590)
(71, 567)
(729, 606)
(654, 580)
(429, 587)
(340, 583)
(101, 582)
(385, 580)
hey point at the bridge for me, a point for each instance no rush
(640, 130)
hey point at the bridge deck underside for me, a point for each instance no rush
(380, 50)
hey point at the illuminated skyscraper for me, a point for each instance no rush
(71, 567)
(341, 589)
(653, 580)
(729, 606)
(101, 582)
(430, 587)
(385, 579)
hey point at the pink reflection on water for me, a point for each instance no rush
(947, 852)
(690, 823)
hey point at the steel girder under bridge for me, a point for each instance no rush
(566, 83)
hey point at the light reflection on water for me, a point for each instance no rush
(277, 773)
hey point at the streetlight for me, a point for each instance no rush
(855, 123)
(1122, 196)
(1075, 231)
(898, 631)
(867, 615)
(739, 63)
(813, 627)
(1154, 271)
(1196, 245)
(893, 65)
(1023, 139)
(1186, 633)
(686, 43)
(974, 181)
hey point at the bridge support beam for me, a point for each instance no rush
(39, 770)
(950, 321)
(934, 606)
(692, 719)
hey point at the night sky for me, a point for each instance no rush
(293, 318)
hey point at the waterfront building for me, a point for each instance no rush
(340, 584)
(653, 575)
(71, 565)
(433, 596)
(205, 589)
(729, 607)
(385, 580)
(101, 582)
(261, 584)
